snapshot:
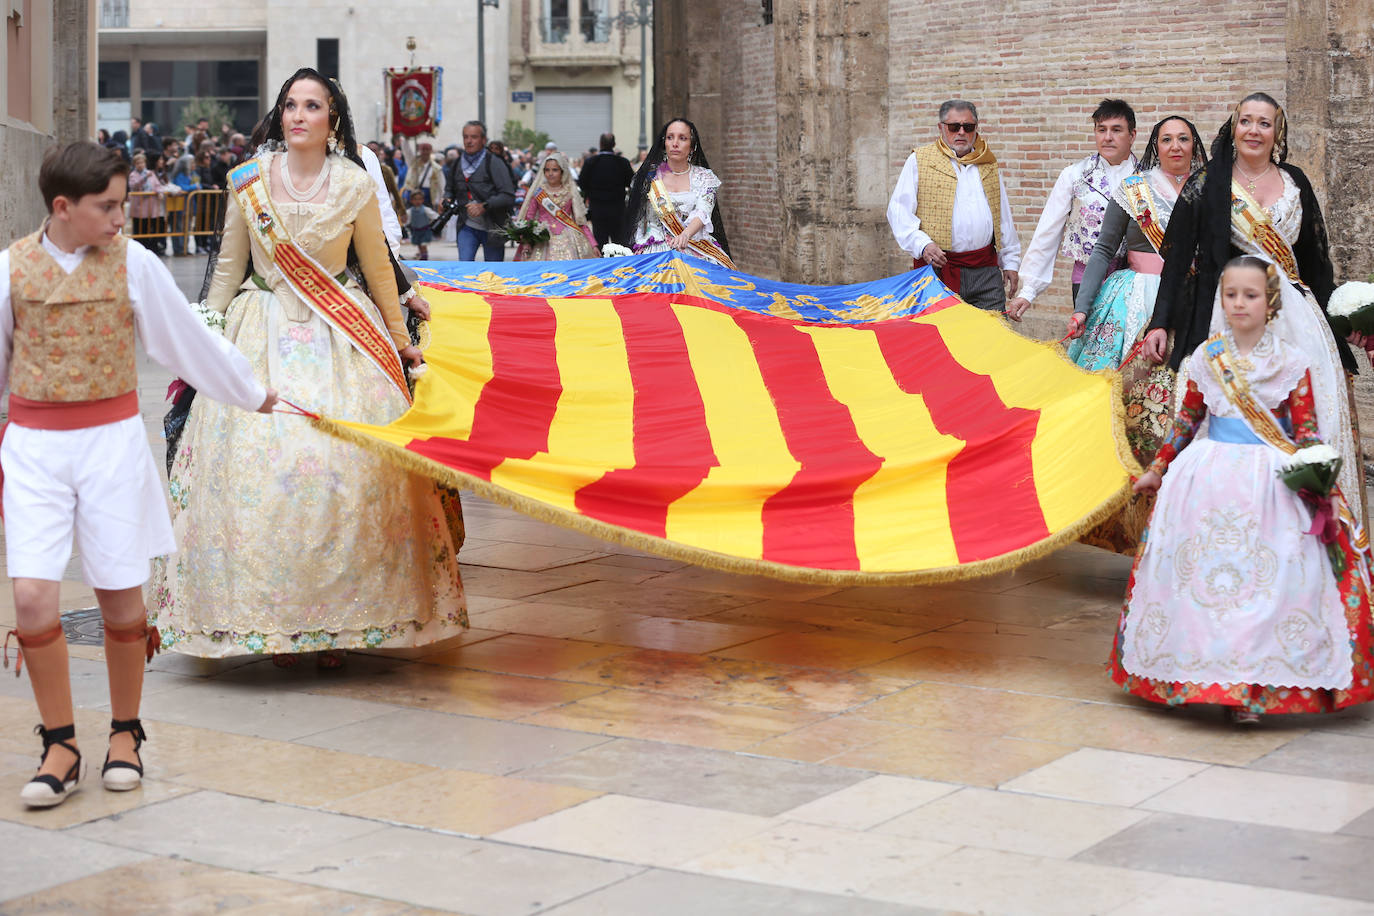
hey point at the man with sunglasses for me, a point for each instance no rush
(950, 210)
(1072, 219)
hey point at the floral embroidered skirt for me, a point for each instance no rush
(291, 540)
(1121, 310)
(1231, 602)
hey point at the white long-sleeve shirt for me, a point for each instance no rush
(166, 327)
(1037, 268)
(971, 222)
(391, 227)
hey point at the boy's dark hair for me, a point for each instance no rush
(1114, 108)
(74, 170)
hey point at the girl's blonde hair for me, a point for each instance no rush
(1273, 280)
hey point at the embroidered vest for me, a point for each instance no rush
(1092, 191)
(935, 188)
(73, 333)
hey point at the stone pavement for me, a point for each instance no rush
(624, 734)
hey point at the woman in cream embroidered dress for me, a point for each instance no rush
(678, 164)
(291, 540)
(558, 190)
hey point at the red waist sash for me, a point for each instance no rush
(955, 260)
(72, 414)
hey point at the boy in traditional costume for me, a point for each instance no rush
(75, 457)
(1072, 219)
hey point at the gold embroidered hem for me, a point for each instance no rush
(290, 540)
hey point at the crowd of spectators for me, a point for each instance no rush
(199, 159)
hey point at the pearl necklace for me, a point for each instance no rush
(683, 172)
(309, 193)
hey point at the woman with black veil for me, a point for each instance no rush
(672, 204)
(1249, 199)
(293, 541)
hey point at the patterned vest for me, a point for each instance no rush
(936, 182)
(1092, 191)
(73, 333)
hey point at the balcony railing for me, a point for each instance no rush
(593, 27)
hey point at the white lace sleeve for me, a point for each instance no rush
(705, 183)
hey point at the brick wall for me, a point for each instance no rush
(1037, 69)
(746, 156)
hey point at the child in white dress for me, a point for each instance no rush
(1237, 598)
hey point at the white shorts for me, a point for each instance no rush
(98, 483)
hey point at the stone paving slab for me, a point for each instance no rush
(624, 734)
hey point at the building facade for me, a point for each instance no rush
(155, 57)
(808, 108)
(576, 70)
(46, 85)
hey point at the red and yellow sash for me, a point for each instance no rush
(667, 214)
(1256, 227)
(311, 282)
(1140, 204)
(551, 207)
(1265, 425)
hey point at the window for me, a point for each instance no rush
(114, 14)
(112, 79)
(169, 84)
(596, 20)
(327, 56)
(554, 24)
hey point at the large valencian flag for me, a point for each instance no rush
(670, 406)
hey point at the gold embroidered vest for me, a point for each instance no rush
(73, 333)
(935, 187)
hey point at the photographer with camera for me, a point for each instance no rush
(483, 189)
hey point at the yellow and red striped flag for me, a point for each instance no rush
(896, 451)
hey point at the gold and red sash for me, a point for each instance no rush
(1267, 428)
(1258, 229)
(310, 281)
(667, 214)
(551, 207)
(1140, 205)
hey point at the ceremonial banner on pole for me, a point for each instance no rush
(414, 100)
(913, 449)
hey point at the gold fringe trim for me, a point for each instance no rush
(674, 550)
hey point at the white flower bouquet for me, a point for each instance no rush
(1313, 469)
(612, 250)
(1351, 308)
(526, 231)
(211, 318)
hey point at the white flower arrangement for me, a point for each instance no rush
(211, 318)
(1313, 469)
(1350, 298)
(612, 250)
(1312, 454)
(1351, 308)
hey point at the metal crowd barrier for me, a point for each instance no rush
(182, 215)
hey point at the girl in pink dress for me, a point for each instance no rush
(555, 202)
